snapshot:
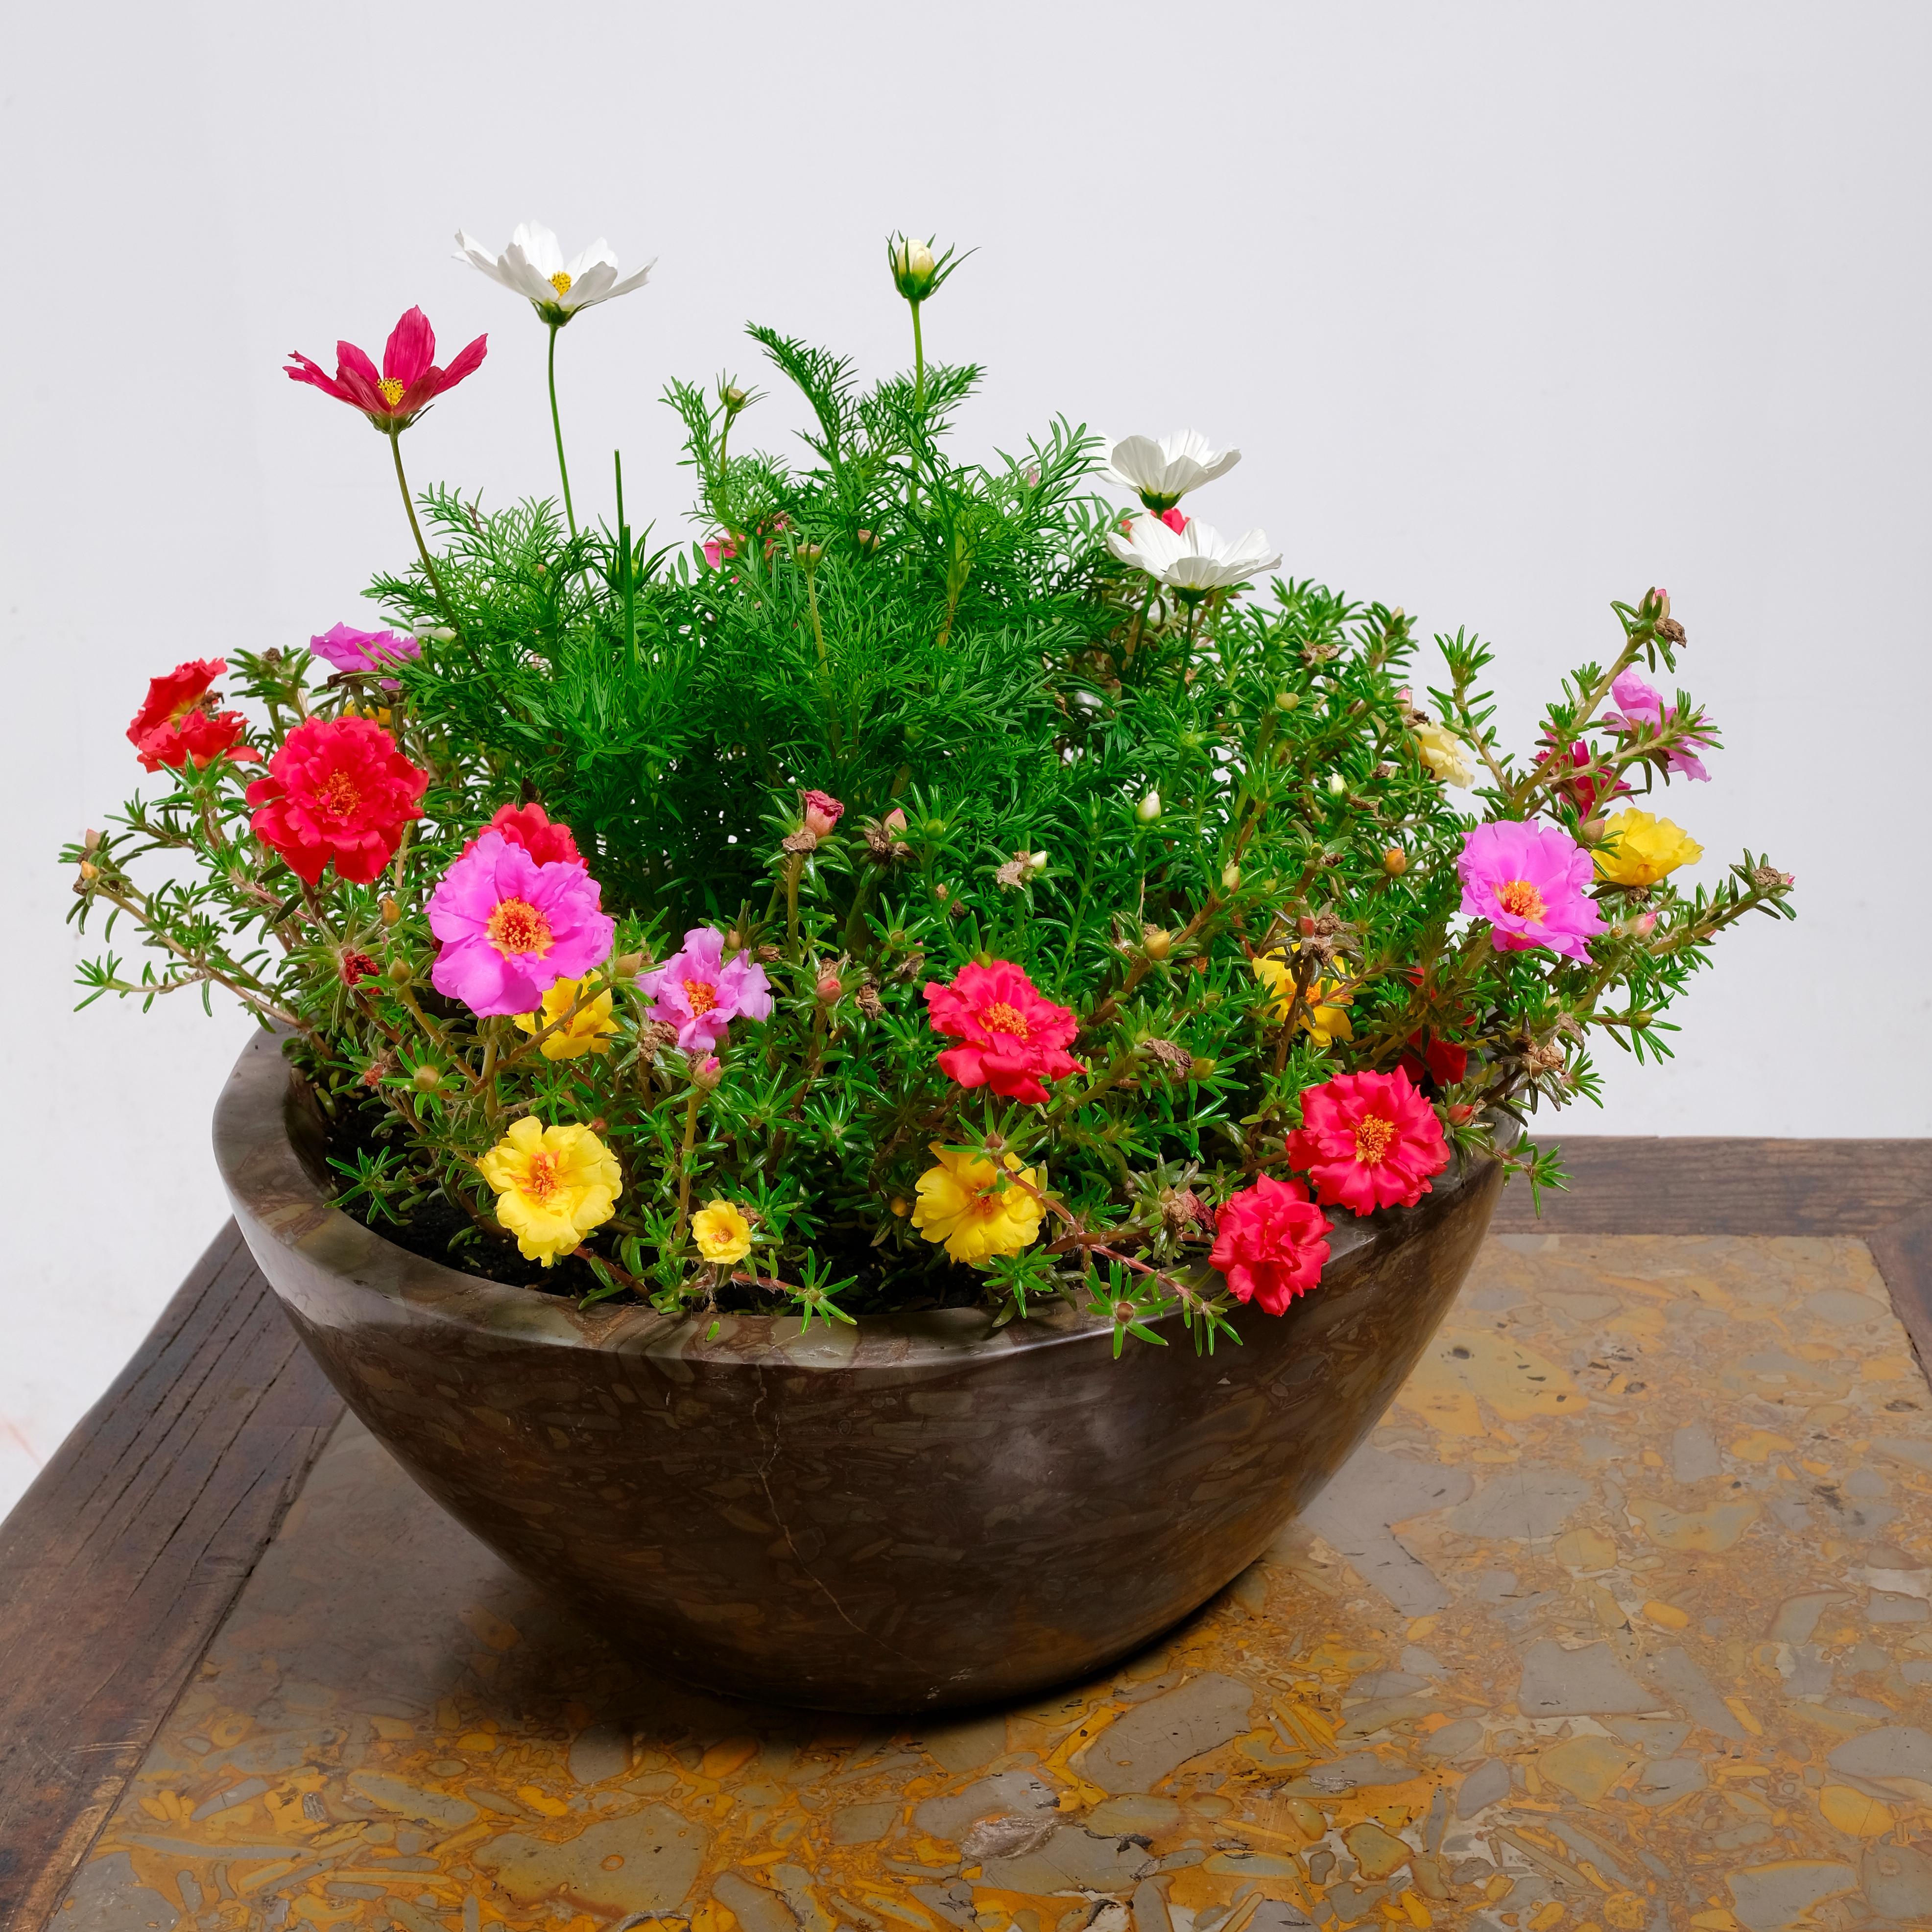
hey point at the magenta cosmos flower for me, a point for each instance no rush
(699, 992)
(1530, 882)
(408, 382)
(348, 649)
(511, 929)
(1643, 705)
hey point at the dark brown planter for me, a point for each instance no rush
(920, 1512)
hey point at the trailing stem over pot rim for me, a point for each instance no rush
(936, 884)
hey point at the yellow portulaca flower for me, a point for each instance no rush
(553, 1185)
(589, 1029)
(1646, 849)
(1323, 1009)
(962, 1203)
(722, 1231)
(1443, 753)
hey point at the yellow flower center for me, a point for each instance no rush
(543, 1179)
(560, 282)
(1000, 1018)
(517, 926)
(341, 795)
(1520, 897)
(391, 389)
(1372, 1138)
(700, 996)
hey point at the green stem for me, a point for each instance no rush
(557, 424)
(684, 1169)
(918, 362)
(422, 548)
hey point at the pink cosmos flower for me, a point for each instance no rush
(510, 927)
(1530, 883)
(409, 381)
(699, 992)
(718, 550)
(822, 812)
(1643, 706)
(348, 649)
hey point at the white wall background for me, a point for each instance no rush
(1514, 309)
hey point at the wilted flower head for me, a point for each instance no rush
(1161, 473)
(349, 649)
(533, 267)
(408, 382)
(1196, 559)
(822, 813)
(698, 991)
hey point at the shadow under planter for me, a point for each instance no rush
(917, 1512)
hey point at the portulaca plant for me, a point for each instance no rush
(936, 882)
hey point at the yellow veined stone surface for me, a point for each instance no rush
(1622, 1619)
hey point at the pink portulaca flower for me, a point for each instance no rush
(510, 927)
(822, 813)
(1643, 706)
(700, 992)
(1531, 882)
(348, 649)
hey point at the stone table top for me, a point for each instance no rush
(1622, 1619)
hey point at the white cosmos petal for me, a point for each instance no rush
(539, 247)
(634, 281)
(1170, 468)
(599, 251)
(470, 249)
(523, 275)
(592, 286)
(1197, 558)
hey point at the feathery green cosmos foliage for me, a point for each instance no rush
(1131, 792)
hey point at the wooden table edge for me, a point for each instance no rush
(221, 1406)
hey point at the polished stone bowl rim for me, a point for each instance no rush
(268, 1136)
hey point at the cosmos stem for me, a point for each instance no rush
(422, 548)
(556, 426)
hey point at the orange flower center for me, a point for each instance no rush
(391, 390)
(1000, 1018)
(700, 996)
(560, 282)
(340, 794)
(1373, 1137)
(1520, 897)
(517, 926)
(543, 1179)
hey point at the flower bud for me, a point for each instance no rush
(400, 972)
(91, 843)
(1395, 862)
(942, 892)
(392, 912)
(89, 871)
(900, 1206)
(822, 813)
(440, 634)
(1338, 786)
(1286, 701)
(1148, 810)
(1200, 1069)
(1230, 876)
(1158, 941)
(895, 821)
(1591, 830)
(627, 965)
(1035, 863)
(426, 1079)
(1642, 925)
(868, 541)
(1461, 1115)
(706, 1073)
(829, 984)
(913, 267)
(733, 398)
(807, 555)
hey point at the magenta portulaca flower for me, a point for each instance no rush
(1531, 883)
(700, 992)
(1642, 704)
(348, 649)
(511, 929)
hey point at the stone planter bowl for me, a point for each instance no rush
(918, 1513)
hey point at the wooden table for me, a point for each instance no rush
(153, 1611)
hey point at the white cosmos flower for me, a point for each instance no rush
(533, 267)
(1195, 559)
(1161, 473)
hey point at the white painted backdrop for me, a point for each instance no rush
(1513, 308)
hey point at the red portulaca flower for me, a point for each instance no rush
(1427, 1057)
(174, 724)
(408, 382)
(528, 826)
(1015, 1036)
(1368, 1140)
(337, 790)
(1268, 1244)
